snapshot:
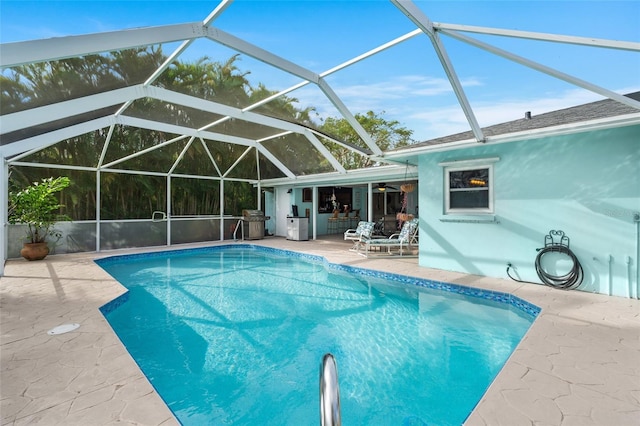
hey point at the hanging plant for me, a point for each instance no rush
(403, 216)
(407, 187)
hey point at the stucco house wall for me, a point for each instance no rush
(586, 184)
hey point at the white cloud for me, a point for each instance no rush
(428, 106)
(396, 97)
(442, 121)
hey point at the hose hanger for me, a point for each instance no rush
(557, 242)
(556, 239)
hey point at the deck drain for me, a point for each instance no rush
(64, 328)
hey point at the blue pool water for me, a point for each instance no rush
(235, 335)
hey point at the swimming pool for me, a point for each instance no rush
(235, 335)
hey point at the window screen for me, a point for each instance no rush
(469, 190)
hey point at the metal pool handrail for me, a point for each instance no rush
(238, 225)
(329, 392)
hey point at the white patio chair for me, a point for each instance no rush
(402, 240)
(354, 234)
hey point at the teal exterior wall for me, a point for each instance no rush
(587, 185)
(359, 201)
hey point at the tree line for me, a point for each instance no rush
(132, 196)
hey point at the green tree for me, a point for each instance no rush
(136, 196)
(387, 134)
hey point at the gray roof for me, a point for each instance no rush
(591, 111)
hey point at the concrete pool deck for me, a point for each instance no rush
(579, 364)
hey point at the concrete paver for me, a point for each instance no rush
(579, 364)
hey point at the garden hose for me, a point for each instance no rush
(568, 281)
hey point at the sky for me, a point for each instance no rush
(405, 83)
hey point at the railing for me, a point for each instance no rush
(329, 392)
(83, 236)
(235, 231)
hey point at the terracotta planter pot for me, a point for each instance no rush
(404, 217)
(34, 251)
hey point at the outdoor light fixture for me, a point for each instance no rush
(383, 187)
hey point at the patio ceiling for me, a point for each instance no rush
(252, 127)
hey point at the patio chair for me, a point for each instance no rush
(406, 238)
(354, 234)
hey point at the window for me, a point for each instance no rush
(307, 194)
(330, 198)
(468, 186)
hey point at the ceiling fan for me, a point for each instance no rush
(383, 186)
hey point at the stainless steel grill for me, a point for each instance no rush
(253, 224)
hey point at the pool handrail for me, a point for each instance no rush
(329, 392)
(239, 224)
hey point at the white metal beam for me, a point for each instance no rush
(357, 150)
(276, 136)
(372, 52)
(174, 55)
(144, 151)
(554, 38)
(336, 68)
(44, 114)
(105, 147)
(170, 128)
(337, 102)
(47, 113)
(216, 108)
(53, 166)
(358, 176)
(181, 130)
(545, 69)
(309, 134)
(260, 54)
(26, 52)
(235, 163)
(325, 152)
(258, 173)
(51, 138)
(4, 210)
(369, 201)
(213, 161)
(222, 6)
(181, 155)
(423, 22)
(264, 151)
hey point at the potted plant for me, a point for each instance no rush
(37, 207)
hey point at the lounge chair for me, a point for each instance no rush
(405, 239)
(354, 234)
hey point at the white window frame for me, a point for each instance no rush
(462, 165)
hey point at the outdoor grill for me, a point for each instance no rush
(253, 224)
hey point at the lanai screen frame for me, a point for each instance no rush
(65, 47)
